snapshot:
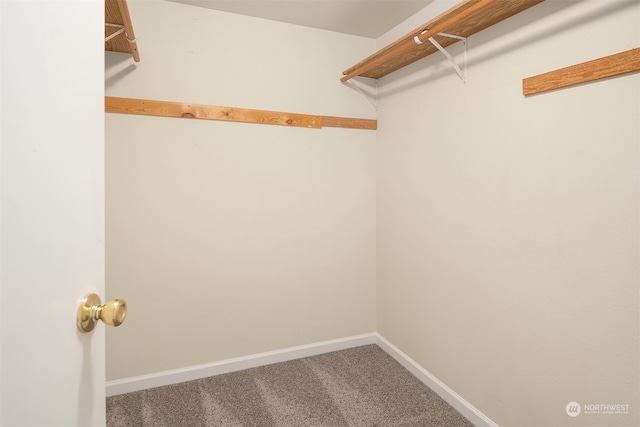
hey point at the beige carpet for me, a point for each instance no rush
(357, 387)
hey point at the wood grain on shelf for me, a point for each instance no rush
(608, 66)
(117, 12)
(346, 122)
(211, 112)
(465, 19)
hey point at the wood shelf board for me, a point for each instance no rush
(608, 66)
(211, 112)
(408, 51)
(117, 12)
(112, 15)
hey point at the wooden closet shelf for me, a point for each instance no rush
(463, 20)
(116, 17)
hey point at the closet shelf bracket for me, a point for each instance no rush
(121, 29)
(119, 35)
(462, 73)
(372, 97)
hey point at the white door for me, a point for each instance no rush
(52, 211)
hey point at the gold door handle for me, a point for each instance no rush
(90, 311)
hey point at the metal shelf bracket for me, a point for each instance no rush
(462, 73)
(118, 32)
(371, 96)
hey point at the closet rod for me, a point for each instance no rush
(418, 38)
(128, 25)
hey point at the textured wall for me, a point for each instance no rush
(508, 227)
(229, 239)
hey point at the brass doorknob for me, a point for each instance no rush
(90, 311)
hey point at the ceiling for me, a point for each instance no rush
(366, 18)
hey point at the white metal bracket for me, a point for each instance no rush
(121, 30)
(372, 96)
(462, 73)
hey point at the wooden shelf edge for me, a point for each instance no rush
(392, 47)
(432, 28)
(117, 12)
(608, 66)
(150, 107)
(464, 19)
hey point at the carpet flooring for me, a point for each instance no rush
(361, 387)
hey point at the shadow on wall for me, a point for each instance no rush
(114, 72)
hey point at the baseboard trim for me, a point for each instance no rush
(175, 376)
(467, 410)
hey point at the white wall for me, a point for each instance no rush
(415, 21)
(230, 239)
(507, 234)
(508, 226)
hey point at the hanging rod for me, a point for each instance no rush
(117, 15)
(464, 19)
(422, 36)
(128, 25)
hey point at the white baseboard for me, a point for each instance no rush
(175, 376)
(469, 411)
